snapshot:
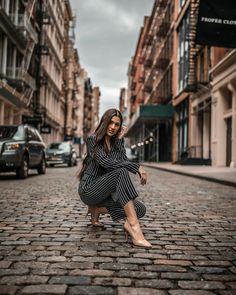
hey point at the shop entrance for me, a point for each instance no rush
(228, 141)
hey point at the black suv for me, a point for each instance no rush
(21, 148)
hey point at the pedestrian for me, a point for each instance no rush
(105, 184)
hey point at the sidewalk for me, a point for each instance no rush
(223, 175)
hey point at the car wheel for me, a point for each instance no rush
(22, 171)
(42, 167)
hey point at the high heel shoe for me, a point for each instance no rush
(136, 235)
(95, 213)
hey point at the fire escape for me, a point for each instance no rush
(161, 66)
(87, 123)
(17, 81)
(29, 51)
(193, 84)
(70, 88)
(43, 19)
(22, 23)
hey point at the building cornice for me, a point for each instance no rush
(225, 63)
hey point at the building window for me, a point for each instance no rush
(12, 7)
(183, 53)
(181, 3)
(4, 5)
(10, 58)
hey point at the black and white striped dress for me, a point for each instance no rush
(106, 181)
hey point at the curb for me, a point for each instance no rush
(207, 178)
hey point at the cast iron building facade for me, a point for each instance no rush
(41, 80)
(203, 96)
(18, 38)
(169, 70)
(150, 88)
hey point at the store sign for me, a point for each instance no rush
(45, 129)
(32, 120)
(216, 25)
(68, 137)
(77, 140)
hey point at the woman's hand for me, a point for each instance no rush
(123, 130)
(143, 175)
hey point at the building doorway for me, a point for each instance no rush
(182, 126)
(228, 141)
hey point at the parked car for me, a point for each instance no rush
(61, 153)
(21, 149)
(131, 154)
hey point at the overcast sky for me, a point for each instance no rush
(106, 36)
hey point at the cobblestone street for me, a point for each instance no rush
(47, 245)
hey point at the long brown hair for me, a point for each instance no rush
(100, 133)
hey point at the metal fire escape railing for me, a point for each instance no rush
(19, 74)
(16, 75)
(31, 41)
(191, 34)
(28, 53)
(22, 23)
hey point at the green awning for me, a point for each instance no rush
(150, 113)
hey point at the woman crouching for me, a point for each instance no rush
(105, 184)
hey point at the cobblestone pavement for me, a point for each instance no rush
(48, 247)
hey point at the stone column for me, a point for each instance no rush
(232, 88)
(1, 112)
(218, 130)
(4, 56)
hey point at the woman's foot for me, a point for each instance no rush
(136, 234)
(95, 213)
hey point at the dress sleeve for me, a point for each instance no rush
(121, 146)
(108, 162)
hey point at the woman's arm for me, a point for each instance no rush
(107, 162)
(122, 151)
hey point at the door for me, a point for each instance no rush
(33, 148)
(228, 141)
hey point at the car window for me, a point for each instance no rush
(54, 146)
(14, 132)
(65, 147)
(60, 146)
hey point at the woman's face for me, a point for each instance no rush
(113, 126)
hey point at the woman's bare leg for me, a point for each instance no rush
(131, 213)
(132, 226)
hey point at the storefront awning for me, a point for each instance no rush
(150, 113)
(216, 24)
